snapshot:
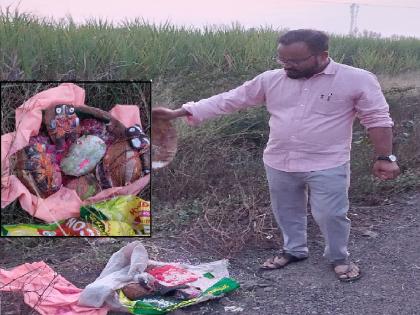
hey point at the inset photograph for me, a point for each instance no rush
(75, 158)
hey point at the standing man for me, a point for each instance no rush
(312, 103)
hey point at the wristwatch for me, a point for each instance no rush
(389, 158)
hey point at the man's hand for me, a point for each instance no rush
(386, 170)
(167, 113)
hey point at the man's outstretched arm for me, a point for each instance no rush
(168, 114)
(251, 93)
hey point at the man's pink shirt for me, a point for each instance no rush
(311, 119)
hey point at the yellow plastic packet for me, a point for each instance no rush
(69, 227)
(128, 209)
(116, 228)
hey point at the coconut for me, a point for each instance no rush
(164, 143)
(121, 165)
(37, 170)
(135, 291)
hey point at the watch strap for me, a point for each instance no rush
(389, 158)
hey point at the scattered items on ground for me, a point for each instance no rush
(154, 287)
(130, 282)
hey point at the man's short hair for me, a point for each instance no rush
(317, 41)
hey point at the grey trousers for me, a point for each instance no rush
(329, 205)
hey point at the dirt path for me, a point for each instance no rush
(385, 243)
(384, 240)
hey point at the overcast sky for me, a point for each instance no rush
(384, 16)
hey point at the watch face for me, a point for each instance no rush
(392, 158)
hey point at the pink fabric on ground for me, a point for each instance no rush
(65, 203)
(45, 290)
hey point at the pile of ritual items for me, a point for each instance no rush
(65, 156)
(130, 283)
(84, 149)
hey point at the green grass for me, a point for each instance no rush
(39, 48)
(219, 165)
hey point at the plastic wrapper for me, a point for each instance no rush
(129, 209)
(69, 227)
(156, 305)
(170, 275)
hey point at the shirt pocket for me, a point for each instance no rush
(330, 107)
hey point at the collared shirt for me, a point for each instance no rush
(311, 119)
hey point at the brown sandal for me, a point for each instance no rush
(272, 263)
(347, 278)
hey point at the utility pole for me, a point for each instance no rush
(354, 12)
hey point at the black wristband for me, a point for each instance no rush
(389, 158)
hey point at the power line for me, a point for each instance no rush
(354, 12)
(363, 3)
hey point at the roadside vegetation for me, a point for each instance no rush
(215, 189)
(40, 48)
